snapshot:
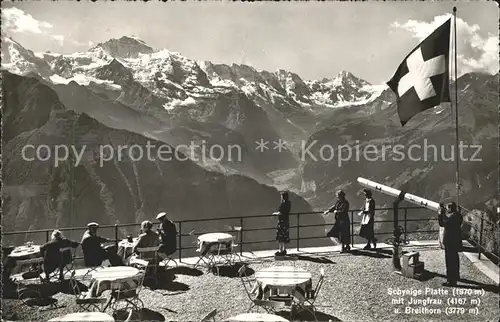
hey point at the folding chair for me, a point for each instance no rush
(122, 291)
(167, 259)
(37, 288)
(84, 300)
(24, 293)
(147, 255)
(207, 255)
(247, 285)
(234, 245)
(307, 304)
(68, 268)
(209, 316)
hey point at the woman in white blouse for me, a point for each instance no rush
(367, 223)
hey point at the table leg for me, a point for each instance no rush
(108, 303)
(93, 288)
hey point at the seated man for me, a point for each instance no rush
(93, 253)
(148, 238)
(51, 254)
(168, 234)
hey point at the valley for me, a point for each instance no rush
(124, 92)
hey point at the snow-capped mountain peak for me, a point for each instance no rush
(344, 89)
(343, 79)
(137, 38)
(20, 60)
(125, 47)
(170, 75)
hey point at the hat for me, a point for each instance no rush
(92, 224)
(161, 215)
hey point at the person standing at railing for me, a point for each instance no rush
(368, 221)
(341, 227)
(452, 240)
(52, 258)
(283, 228)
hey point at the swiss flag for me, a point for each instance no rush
(421, 81)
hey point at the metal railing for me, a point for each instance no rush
(484, 236)
(299, 227)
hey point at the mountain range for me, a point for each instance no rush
(125, 92)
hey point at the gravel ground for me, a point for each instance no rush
(356, 288)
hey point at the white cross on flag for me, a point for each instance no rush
(421, 81)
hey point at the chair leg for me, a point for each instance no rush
(200, 259)
(141, 302)
(313, 313)
(168, 260)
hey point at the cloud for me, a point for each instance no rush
(476, 53)
(17, 21)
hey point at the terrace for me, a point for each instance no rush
(358, 286)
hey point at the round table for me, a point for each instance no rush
(85, 316)
(207, 240)
(255, 317)
(21, 253)
(24, 252)
(215, 238)
(125, 248)
(283, 278)
(103, 279)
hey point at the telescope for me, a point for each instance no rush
(429, 204)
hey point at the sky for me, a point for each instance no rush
(315, 40)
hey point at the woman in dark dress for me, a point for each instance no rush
(283, 229)
(367, 230)
(341, 228)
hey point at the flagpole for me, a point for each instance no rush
(456, 105)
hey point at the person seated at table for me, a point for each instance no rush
(168, 234)
(93, 253)
(52, 258)
(148, 238)
(283, 228)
